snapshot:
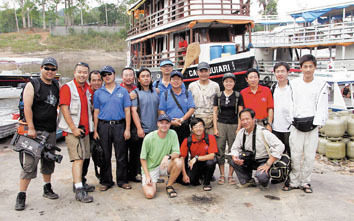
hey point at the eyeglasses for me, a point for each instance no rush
(104, 74)
(49, 69)
(83, 64)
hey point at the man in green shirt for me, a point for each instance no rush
(160, 156)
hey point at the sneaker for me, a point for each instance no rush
(87, 187)
(250, 183)
(82, 196)
(49, 193)
(20, 201)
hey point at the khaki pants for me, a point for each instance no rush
(78, 148)
(227, 133)
(302, 144)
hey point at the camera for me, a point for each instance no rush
(37, 147)
(82, 127)
(247, 156)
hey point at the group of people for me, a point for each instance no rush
(161, 128)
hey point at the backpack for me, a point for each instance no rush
(36, 87)
(189, 144)
(97, 156)
(237, 95)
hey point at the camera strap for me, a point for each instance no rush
(253, 140)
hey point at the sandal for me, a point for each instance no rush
(171, 191)
(307, 188)
(221, 180)
(231, 180)
(207, 188)
(289, 188)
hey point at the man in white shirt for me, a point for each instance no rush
(204, 91)
(281, 91)
(309, 110)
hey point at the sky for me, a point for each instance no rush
(284, 6)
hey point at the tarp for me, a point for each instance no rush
(310, 16)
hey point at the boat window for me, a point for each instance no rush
(219, 35)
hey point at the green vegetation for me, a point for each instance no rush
(25, 42)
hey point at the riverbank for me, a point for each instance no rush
(332, 199)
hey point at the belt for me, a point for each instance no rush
(112, 122)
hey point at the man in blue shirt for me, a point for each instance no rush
(112, 125)
(163, 84)
(178, 104)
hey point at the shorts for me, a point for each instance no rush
(47, 166)
(78, 148)
(155, 175)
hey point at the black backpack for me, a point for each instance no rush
(97, 156)
(36, 86)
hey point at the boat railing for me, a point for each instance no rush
(153, 60)
(143, 20)
(297, 36)
(266, 67)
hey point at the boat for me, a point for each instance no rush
(156, 27)
(17, 78)
(326, 32)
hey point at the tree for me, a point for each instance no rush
(23, 12)
(269, 7)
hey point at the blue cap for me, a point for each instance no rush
(50, 60)
(108, 69)
(166, 62)
(164, 117)
(174, 73)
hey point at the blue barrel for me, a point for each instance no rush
(229, 49)
(215, 51)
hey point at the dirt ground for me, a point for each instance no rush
(333, 198)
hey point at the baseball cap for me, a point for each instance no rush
(50, 60)
(166, 62)
(164, 117)
(174, 73)
(203, 65)
(108, 69)
(228, 75)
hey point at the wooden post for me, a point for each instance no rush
(249, 34)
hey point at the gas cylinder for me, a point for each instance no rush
(351, 125)
(350, 149)
(345, 117)
(335, 150)
(321, 148)
(334, 126)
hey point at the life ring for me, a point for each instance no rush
(266, 80)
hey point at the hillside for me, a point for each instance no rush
(35, 40)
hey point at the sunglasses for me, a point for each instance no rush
(104, 74)
(49, 69)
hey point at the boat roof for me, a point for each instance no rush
(333, 11)
(21, 61)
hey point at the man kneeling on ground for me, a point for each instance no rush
(202, 148)
(249, 151)
(160, 156)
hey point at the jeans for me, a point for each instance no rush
(244, 172)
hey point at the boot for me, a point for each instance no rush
(20, 201)
(82, 196)
(48, 192)
(87, 187)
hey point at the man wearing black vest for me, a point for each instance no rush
(40, 109)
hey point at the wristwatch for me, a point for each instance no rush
(265, 122)
(169, 156)
(196, 158)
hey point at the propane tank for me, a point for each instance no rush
(351, 125)
(321, 148)
(335, 150)
(350, 149)
(334, 126)
(345, 117)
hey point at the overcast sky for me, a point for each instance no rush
(284, 6)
